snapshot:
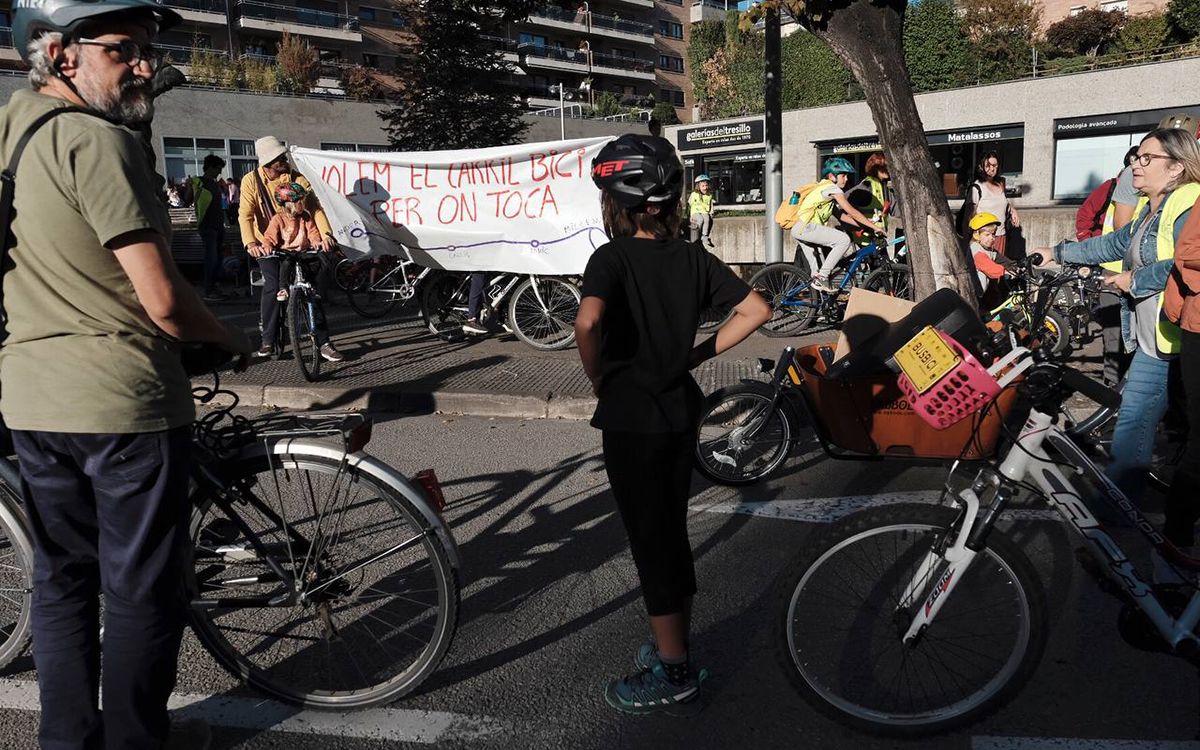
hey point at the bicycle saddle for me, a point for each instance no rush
(872, 355)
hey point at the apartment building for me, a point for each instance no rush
(1056, 10)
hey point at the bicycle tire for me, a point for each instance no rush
(349, 274)
(739, 404)
(375, 299)
(327, 672)
(808, 655)
(443, 295)
(794, 304)
(16, 577)
(305, 349)
(548, 324)
(893, 279)
(1059, 333)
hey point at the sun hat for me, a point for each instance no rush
(268, 149)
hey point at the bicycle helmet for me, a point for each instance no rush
(981, 220)
(701, 178)
(837, 165)
(638, 169)
(32, 18)
(290, 192)
(1180, 120)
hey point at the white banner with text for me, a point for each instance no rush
(529, 208)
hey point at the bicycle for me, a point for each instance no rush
(374, 285)
(796, 305)
(915, 619)
(320, 575)
(540, 310)
(297, 316)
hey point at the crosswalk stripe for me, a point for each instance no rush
(1072, 743)
(387, 724)
(830, 509)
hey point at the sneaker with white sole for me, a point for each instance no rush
(331, 354)
(474, 326)
(821, 284)
(649, 690)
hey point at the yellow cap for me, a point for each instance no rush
(979, 221)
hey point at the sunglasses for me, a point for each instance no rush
(129, 52)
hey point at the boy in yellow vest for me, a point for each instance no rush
(700, 211)
(815, 211)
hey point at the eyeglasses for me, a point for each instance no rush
(1145, 159)
(129, 52)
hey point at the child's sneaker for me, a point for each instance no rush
(649, 690)
(646, 656)
(821, 284)
(281, 295)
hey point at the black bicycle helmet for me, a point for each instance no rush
(32, 18)
(639, 169)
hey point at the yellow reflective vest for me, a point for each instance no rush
(816, 208)
(1107, 228)
(1167, 334)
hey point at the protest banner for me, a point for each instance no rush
(529, 208)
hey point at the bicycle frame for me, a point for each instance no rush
(1028, 459)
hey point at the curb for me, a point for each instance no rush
(390, 400)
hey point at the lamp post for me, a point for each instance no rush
(562, 115)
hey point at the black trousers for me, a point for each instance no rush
(213, 238)
(1183, 501)
(268, 305)
(107, 513)
(651, 476)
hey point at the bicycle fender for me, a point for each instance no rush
(787, 403)
(368, 464)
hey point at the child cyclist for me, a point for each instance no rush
(643, 293)
(700, 211)
(813, 216)
(989, 263)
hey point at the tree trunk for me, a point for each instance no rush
(867, 38)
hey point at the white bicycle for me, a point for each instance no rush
(914, 619)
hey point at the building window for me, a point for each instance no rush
(185, 156)
(671, 29)
(1117, 5)
(1077, 9)
(366, 14)
(1081, 164)
(356, 147)
(735, 178)
(671, 95)
(536, 40)
(674, 64)
(400, 20)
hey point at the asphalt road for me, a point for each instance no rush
(550, 611)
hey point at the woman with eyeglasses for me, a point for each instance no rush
(1166, 172)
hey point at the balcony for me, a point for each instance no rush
(554, 17)
(280, 18)
(634, 3)
(622, 66)
(711, 10)
(622, 28)
(553, 58)
(508, 47)
(200, 11)
(182, 56)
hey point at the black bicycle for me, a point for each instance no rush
(297, 315)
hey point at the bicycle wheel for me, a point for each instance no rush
(351, 273)
(544, 317)
(1055, 333)
(741, 439)
(893, 279)
(16, 579)
(304, 336)
(793, 303)
(378, 290)
(444, 305)
(377, 599)
(842, 627)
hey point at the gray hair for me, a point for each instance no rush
(41, 67)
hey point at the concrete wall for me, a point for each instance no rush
(1034, 102)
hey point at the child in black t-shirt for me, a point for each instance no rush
(643, 294)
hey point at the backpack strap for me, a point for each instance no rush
(8, 184)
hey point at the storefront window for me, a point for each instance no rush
(1081, 164)
(185, 156)
(736, 179)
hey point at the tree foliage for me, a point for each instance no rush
(664, 112)
(1183, 16)
(1085, 32)
(1002, 34)
(936, 48)
(606, 104)
(298, 64)
(726, 64)
(1143, 32)
(812, 75)
(456, 95)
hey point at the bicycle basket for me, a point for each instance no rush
(942, 381)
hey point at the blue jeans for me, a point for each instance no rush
(1143, 405)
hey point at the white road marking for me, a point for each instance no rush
(830, 509)
(1072, 743)
(391, 724)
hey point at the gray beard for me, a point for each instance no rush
(130, 104)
